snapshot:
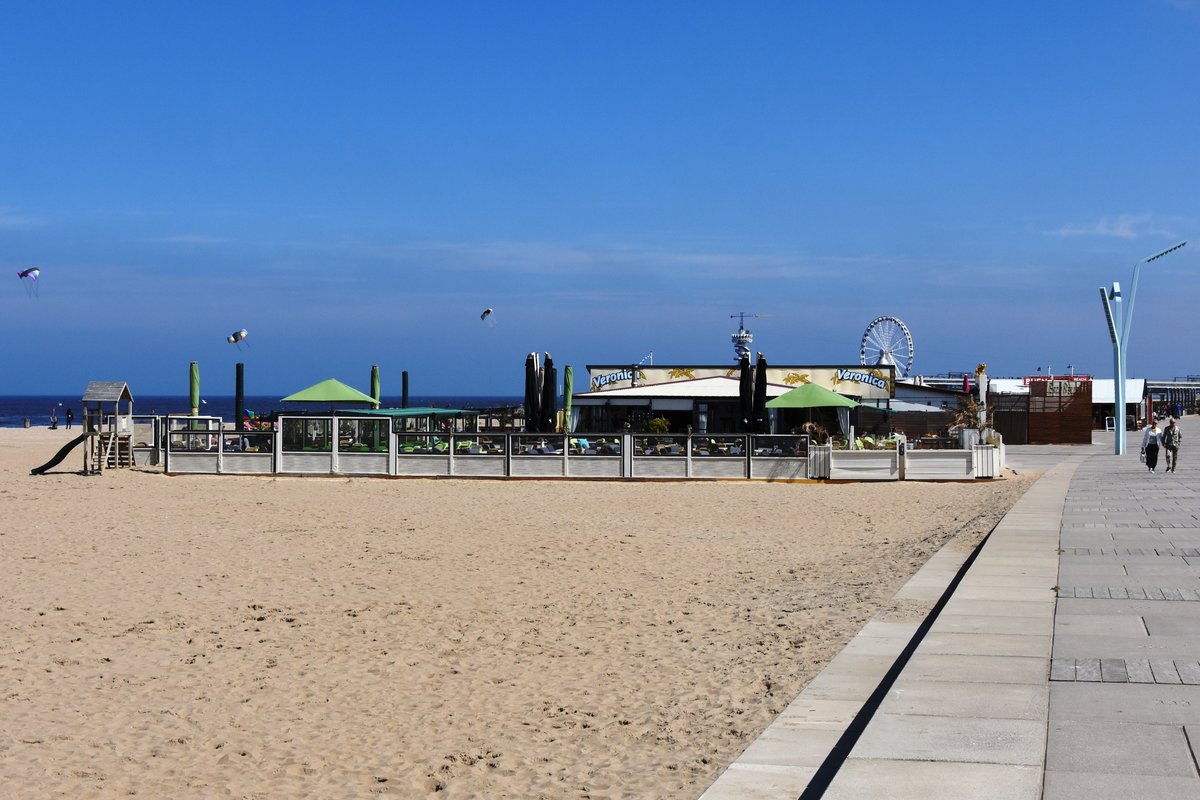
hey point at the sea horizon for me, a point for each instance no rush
(39, 408)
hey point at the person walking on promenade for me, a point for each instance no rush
(1151, 440)
(1172, 437)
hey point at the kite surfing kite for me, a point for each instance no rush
(30, 277)
(237, 337)
(486, 316)
(487, 312)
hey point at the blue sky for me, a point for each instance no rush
(355, 183)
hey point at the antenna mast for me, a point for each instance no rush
(743, 337)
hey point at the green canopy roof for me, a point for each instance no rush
(810, 395)
(330, 391)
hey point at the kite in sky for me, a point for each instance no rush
(30, 277)
(486, 316)
(237, 337)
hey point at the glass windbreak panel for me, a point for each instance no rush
(868, 442)
(302, 434)
(593, 445)
(194, 423)
(479, 445)
(781, 446)
(728, 446)
(422, 444)
(143, 431)
(183, 442)
(363, 435)
(410, 424)
(537, 444)
(248, 442)
(660, 445)
(493, 445)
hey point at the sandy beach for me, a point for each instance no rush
(264, 637)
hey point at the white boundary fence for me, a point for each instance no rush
(206, 445)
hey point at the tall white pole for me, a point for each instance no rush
(1107, 299)
(1118, 328)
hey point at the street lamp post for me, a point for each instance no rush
(1118, 330)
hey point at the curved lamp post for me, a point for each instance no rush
(1118, 329)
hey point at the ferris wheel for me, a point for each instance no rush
(887, 341)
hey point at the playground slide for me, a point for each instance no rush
(60, 455)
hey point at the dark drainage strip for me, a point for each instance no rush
(1125, 670)
(841, 750)
(1190, 552)
(1129, 593)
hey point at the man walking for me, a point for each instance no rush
(1171, 439)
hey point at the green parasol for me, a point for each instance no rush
(329, 391)
(375, 385)
(810, 395)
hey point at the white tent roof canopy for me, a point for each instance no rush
(717, 386)
(1102, 389)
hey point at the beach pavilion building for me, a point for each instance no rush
(707, 399)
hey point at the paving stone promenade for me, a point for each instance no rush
(1063, 661)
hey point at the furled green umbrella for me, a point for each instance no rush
(329, 391)
(810, 395)
(194, 388)
(375, 386)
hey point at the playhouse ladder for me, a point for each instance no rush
(117, 451)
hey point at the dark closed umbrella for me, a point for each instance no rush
(568, 392)
(761, 421)
(533, 397)
(549, 395)
(239, 396)
(745, 395)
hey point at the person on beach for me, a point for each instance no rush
(1151, 440)
(1172, 437)
(53, 419)
(70, 418)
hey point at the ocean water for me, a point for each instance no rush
(15, 409)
